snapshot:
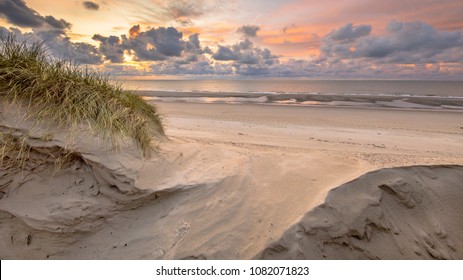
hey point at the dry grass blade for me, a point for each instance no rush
(60, 92)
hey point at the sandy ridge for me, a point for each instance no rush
(396, 213)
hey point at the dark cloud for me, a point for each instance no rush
(244, 52)
(152, 45)
(91, 5)
(19, 14)
(79, 52)
(225, 53)
(193, 41)
(58, 45)
(248, 30)
(207, 50)
(246, 44)
(409, 42)
(46, 29)
(156, 44)
(349, 33)
(110, 47)
(193, 45)
(57, 23)
(245, 59)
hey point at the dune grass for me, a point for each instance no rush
(62, 93)
(16, 154)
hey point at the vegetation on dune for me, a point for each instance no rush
(63, 93)
(16, 155)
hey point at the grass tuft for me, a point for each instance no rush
(14, 152)
(63, 93)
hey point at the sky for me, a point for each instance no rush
(329, 39)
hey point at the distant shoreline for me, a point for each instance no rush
(408, 102)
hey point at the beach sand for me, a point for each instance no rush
(234, 181)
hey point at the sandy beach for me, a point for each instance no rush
(232, 130)
(229, 182)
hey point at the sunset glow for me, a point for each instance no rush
(249, 38)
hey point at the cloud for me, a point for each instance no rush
(19, 14)
(134, 30)
(248, 31)
(82, 53)
(247, 60)
(251, 70)
(46, 29)
(405, 42)
(185, 8)
(407, 50)
(182, 12)
(58, 24)
(202, 67)
(193, 45)
(58, 45)
(16, 12)
(156, 43)
(225, 53)
(91, 5)
(349, 33)
(244, 52)
(170, 54)
(110, 47)
(409, 43)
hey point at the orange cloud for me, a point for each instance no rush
(134, 31)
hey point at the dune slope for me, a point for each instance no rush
(397, 213)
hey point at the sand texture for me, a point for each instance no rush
(234, 182)
(399, 213)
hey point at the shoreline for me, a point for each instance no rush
(431, 103)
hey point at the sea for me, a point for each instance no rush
(276, 86)
(370, 93)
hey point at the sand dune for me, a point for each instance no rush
(231, 179)
(45, 209)
(399, 213)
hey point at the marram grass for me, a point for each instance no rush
(16, 154)
(59, 92)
